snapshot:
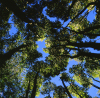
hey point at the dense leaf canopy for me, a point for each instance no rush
(22, 75)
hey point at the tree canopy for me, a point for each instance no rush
(22, 75)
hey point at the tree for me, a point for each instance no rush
(19, 51)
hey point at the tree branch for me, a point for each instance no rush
(8, 55)
(15, 9)
(86, 30)
(76, 91)
(28, 88)
(66, 89)
(94, 85)
(73, 3)
(92, 3)
(81, 45)
(93, 78)
(35, 86)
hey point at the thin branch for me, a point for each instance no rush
(76, 91)
(93, 78)
(86, 30)
(73, 3)
(87, 13)
(80, 53)
(81, 45)
(89, 44)
(66, 89)
(92, 3)
(94, 85)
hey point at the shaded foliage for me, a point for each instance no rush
(22, 75)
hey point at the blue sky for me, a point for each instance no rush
(41, 45)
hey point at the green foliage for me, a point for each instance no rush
(21, 71)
